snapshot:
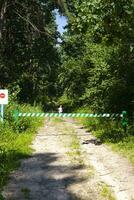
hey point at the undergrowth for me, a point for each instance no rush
(111, 132)
(15, 138)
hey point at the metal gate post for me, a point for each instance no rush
(16, 114)
(124, 120)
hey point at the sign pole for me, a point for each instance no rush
(2, 112)
(3, 101)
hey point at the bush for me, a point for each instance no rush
(110, 131)
(15, 137)
(106, 129)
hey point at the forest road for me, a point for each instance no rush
(63, 167)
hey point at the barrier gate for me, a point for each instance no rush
(122, 116)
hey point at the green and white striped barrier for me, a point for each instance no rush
(123, 116)
(107, 115)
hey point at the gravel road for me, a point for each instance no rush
(50, 174)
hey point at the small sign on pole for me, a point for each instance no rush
(3, 101)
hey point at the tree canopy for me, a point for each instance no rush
(97, 55)
(94, 64)
(28, 53)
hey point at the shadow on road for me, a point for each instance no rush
(40, 177)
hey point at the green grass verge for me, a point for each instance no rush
(15, 140)
(125, 147)
(110, 131)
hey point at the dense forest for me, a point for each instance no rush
(93, 65)
(87, 69)
(28, 55)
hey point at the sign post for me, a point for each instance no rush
(3, 101)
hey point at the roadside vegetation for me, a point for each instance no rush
(106, 193)
(110, 131)
(15, 138)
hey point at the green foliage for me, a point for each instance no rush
(1, 197)
(107, 193)
(97, 55)
(66, 102)
(16, 135)
(107, 130)
(125, 147)
(28, 52)
(15, 138)
(110, 131)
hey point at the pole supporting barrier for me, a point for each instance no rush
(124, 120)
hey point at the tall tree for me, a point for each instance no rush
(100, 41)
(28, 52)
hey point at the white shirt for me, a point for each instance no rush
(60, 109)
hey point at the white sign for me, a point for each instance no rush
(3, 96)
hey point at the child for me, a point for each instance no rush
(60, 109)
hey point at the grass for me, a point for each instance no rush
(106, 192)
(15, 139)
(110, 132)
(58, 119)
(90, 171)
(125, 147)
(71, 141)
(75, 149)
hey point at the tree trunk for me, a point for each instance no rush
(3, 9)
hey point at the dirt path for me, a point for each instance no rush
(58, 171)
(112, 168)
